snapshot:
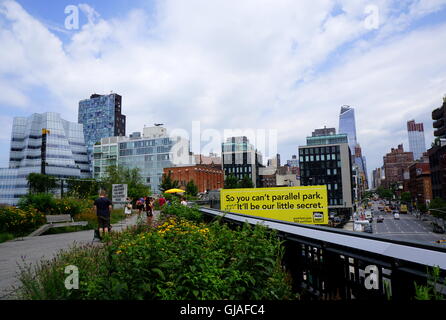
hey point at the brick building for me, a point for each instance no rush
(395, 163)
(437, 161)
(206, 177)
(420, 185)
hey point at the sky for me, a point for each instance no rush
(281, 67)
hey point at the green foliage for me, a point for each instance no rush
(167, 183)
(82, 188)
(40, 183)
(175, 260)
(47, 204)
(191, 188)
(439, 204)
(231, 182)
(406, 197)
(181, 211)
(385, 193)
(43, 202)
(121, 175)
(20, 222)
(246, 182)
(430, 290)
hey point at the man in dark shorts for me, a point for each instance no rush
(103, 207)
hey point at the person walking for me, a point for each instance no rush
(150, 206)
(128, 208)
(103, 207)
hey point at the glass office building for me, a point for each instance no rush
(102, 118)
(347, 125)
(63, 149)
(150, 152)
(417, 143)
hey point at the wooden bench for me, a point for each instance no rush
(57, 221)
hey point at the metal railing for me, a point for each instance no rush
(332, 264)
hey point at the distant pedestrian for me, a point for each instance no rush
(103, 207)
(128, 207)
(140, 205)
(150, 207)
(183, 201)
(161, 201)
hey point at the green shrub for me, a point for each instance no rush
(20, 222)
(4, 236)
(181, 211)
(43, 202)
(177, 259)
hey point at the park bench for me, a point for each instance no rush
(57, 221)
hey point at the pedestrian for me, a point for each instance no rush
(183, 201)
(128, 207)
(103, 207)
(150, 206)
(161, 201)
(140, 205)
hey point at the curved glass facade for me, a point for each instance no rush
(66, 153)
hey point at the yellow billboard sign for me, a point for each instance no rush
(307, 204)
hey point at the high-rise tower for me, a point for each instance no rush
(417, 143)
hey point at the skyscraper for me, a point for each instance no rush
(102, 118)
(347, 125)
(42, 143)
(417, 144)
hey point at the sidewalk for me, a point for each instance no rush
(34, 249)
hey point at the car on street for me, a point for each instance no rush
(396, 216)
(380, 218)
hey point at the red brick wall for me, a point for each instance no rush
(206, 177)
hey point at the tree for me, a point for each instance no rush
(384, 193)
(231, 182)
(191, 188)
(406, 197)
(41, 183)
(82, 188)
(167, 183)
(121, 175)
(438, 204)
(246, 182)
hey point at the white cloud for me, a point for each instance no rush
(258, 64)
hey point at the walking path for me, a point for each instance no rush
(30, 250)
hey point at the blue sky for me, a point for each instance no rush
(271, 65)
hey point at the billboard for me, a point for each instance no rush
(307, 204)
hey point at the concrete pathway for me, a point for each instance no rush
(30, 250)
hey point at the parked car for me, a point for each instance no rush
(380, 218)
(396, 216)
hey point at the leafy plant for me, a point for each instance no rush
(430, 290)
